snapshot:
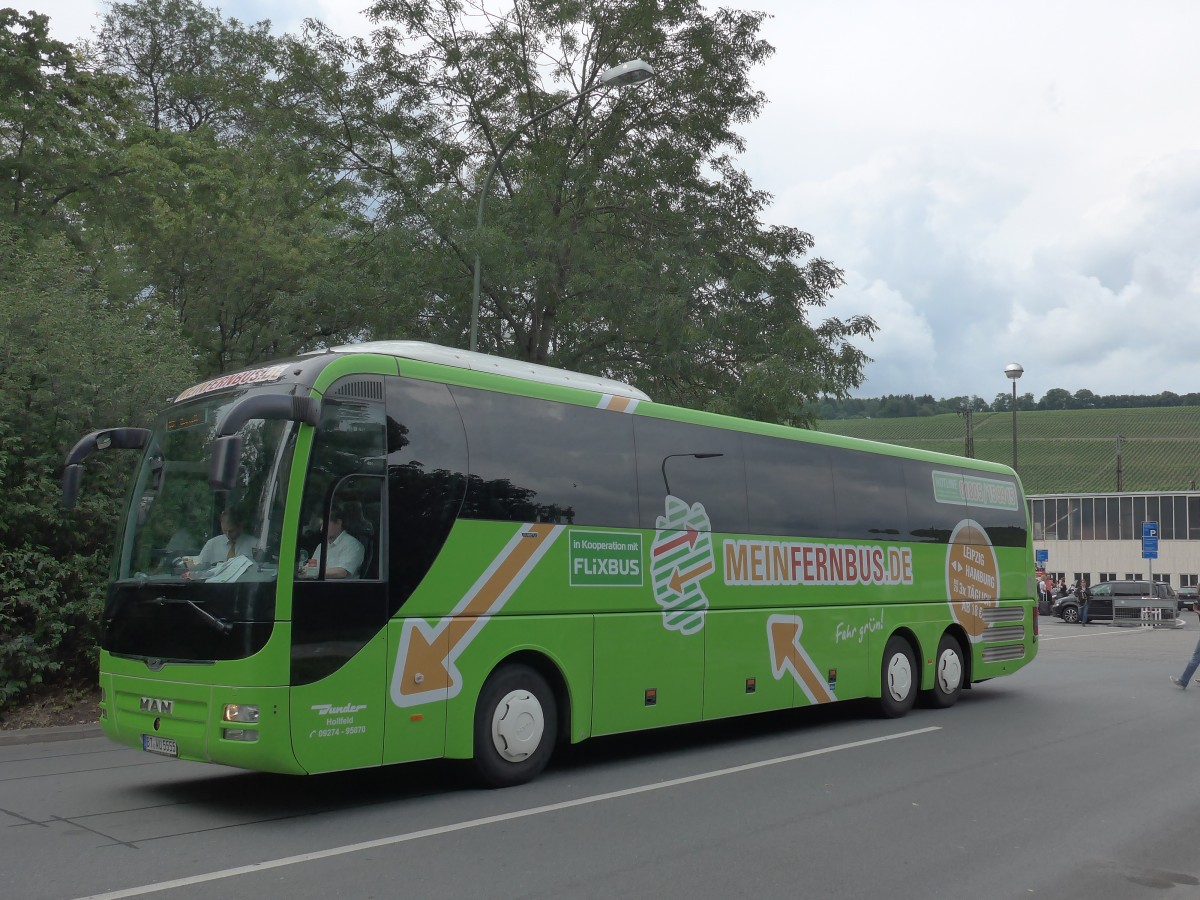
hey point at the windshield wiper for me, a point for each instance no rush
(219, 624)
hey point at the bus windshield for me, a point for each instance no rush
(178, 529)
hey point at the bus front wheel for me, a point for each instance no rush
(900, 678)
(516, 723)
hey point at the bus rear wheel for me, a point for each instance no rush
(899, 678)
(516, 723)
(950, 672)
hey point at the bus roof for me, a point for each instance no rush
(496, 365)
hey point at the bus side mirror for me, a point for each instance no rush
(106, 439)
(227, 445)
(70, 485)
(226, 457)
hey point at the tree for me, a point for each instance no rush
(188, 67)
(68, 360)
(621, 237)
(220, 215)
(58, 123)
(1056, 398)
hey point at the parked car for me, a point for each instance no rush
(1100, 608)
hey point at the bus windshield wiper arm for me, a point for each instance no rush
(219, 624)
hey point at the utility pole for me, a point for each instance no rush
(969, 448)
(1120, 481)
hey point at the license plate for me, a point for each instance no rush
(165, 746)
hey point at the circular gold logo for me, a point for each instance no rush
(972, 576)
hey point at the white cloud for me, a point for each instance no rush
(1020, 176)
(910, 344)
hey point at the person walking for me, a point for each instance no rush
(1084, 595)
(1192, 664)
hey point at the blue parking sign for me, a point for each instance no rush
(1149, 540)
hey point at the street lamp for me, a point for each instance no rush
(1014, 371)
(635, 71)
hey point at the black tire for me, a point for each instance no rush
(900, 678)
(516, 725)
(1070, 614)
(949, 673)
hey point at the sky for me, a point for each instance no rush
(1000, 182)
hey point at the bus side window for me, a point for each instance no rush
(694, 464)
(426, 480)
(869, 496)
(346, 474)
(789, 485)
(544, 461)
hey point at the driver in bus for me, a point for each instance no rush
(229, 544)
(346, 552)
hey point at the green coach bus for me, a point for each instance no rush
(539, 556)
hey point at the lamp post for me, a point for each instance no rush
(627, 73)
(1014, 371)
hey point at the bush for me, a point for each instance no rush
(70, 361)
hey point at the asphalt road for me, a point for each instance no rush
(1075, 778)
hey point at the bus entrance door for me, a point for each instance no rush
(339, 646)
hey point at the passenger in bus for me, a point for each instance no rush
(229, 544)
(346, 552)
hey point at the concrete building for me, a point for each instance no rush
(1100, 535)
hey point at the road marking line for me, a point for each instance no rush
(1099, 632)
(492, 820)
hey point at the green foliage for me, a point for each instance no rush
(1069, 451)
(59, 122)
(220, 216)
(68, 359)
(619, 236)
(186, 66)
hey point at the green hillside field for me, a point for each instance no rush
(1061, 451)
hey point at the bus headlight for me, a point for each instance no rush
(241, 712)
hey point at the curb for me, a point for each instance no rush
(48, 735)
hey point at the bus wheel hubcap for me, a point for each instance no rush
(517, 726)
(949, 671)
(899, 677)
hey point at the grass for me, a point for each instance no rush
(1061, 451)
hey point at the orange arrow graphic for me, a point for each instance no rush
(679, 579)
(688, 537)
(425, 661)
(787, 654)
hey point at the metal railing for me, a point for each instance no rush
(1148, 612)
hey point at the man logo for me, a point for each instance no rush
(155, 705)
